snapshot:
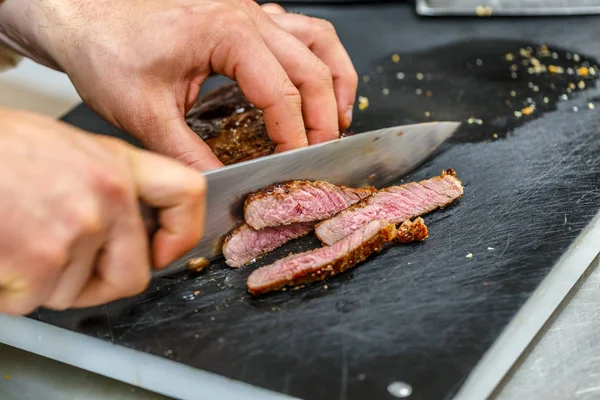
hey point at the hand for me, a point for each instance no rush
(72, 234)
(140, 64)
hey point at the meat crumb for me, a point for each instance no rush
(325, 287)
(197, 264)
(591, 106)
(366, 78)
(396, 58)
(470, 255)
(196, 293)
(485, 284)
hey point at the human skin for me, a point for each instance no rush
(140, 64)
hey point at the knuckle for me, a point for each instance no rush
(50, 253)
(87, 218)
(322, 24)
(197, 190)
(138, 285)
(322, 72)
(112, 186)
(290, 92)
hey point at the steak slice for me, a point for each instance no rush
(299, 201)
(321, 263)
(244, 244)
(231, 126)
(394, 204)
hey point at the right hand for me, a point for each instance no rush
(72, 234)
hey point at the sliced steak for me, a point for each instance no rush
(244, 244)
(231, 126)
(412, 231)
(394, 204)
(321, 263)
(299, 201)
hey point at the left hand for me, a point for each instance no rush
(320, 37)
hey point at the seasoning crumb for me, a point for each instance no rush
(196, 336)
(528, 110)
(555, 55)
(396, 58)
(564, 97)
(420, 76)
(555, 69)
(491, 248)
(485, 284)
(583, 71)
(513, 93)
(484, 11)
(536, 88)
(212, 318)
(495, 135)
(576, 57)
(400, 76)
(196, 293)
(509, 56)
(570, 71)
(197, 264)
(591, 106)
(385, 91)
(513, 75)
(470, 255)
(428, 93)
(575, 109)
(571, 85)
(592, 71)
(363, 103)
(427, 114)
(366, 78)
(530, 85)
(379, 69)
(7, 377)
(419, 91)
(546, 100)
(276, 308)
(518, 114)
(325, 287)
(479, 62)
(581, 85)
(372, 176)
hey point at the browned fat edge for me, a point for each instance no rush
(232, 232)
(409, 232)
(373, 245)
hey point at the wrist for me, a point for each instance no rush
(23, 29)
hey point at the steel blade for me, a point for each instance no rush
(373, 158)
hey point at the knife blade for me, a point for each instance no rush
(374, 158)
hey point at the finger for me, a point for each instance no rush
(312, 78)
(77, 273)
(179, 195)
(272, 8)
(247, 59)
(21, 295)
(161, 127)
(123, 265)
(320, 36)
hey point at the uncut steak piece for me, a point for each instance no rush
(321, 263)
(394, 204)
(231, 126)
(244, 245)
(299, 201)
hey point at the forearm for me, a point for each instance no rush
(23, 30)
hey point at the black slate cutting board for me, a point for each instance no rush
(423, 313)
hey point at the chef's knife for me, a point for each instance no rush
(375, 158)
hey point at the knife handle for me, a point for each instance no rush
(150, 217)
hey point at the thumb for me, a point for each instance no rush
(178, 194)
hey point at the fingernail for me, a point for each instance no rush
(349, 114)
